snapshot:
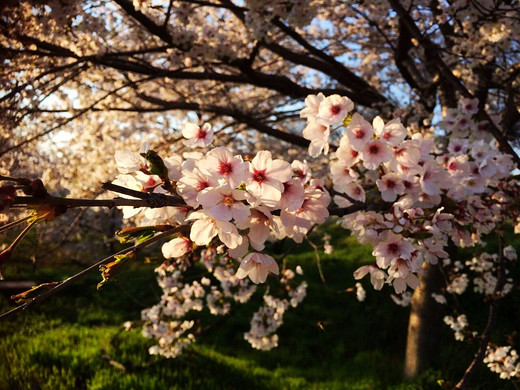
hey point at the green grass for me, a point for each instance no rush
(75, 340)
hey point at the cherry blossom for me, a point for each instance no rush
(266, 178)
(197, 136)
(256, 266)
(220, 164)
(177, 247)
(224, 203)
(206, 227)
(333, 109)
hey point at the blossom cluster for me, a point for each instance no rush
(458, 325)
(432, 195)
(240, 202)
(216, 291)
(262, 334)
(484, 272)
(503, 360)
(392, 188)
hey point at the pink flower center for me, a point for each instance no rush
(228, 200)
(150, 182)
(457, 148)
(201, 185)
(299, 173)
(393, 248)
(390, 184)
(359, 133)
(335, 109)
(387, 135)
(259, 176)
(373, 149)
(201, 134)
(225, 168)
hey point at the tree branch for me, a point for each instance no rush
(432, 52)
(67, 282)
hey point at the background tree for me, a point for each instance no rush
(83, 79)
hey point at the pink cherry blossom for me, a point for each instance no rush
(333, 109)
(406, 157)
(292, 196)
(257, 266)
(259, 223)
(458, 146)
(301, 170)
(342, 174)
(206, 227)
(346, 153)
(374, 153)
(312, 106)
(377, 275)
(433, 178)
(223, 166)
(192, 183)
(129, 162)
(177, 247)
(197, 136)
(359, 132)
(174, 165)
(393, 133)
(318, 134)
(266, 178)
(390, 185)
(392, 247)
(224, 203)
(469, 106)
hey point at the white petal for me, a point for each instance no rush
(202, 231)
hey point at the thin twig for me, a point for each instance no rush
(318, 262)
(67, 282)
(491, 323)
(9, 225)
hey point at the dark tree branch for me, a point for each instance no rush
(433, 55)
(242, 117)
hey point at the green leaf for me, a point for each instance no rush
(157, 166)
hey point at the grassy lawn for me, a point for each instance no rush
(75, 340)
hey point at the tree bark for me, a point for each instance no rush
(425, 324)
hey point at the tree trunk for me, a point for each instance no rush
(425, 324)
